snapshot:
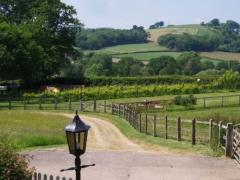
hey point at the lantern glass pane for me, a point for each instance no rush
(82, 140)
(71, 142)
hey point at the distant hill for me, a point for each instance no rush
(193, 29)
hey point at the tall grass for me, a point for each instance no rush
(25, 128)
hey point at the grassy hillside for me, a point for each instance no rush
(134, 49)
(194, 29)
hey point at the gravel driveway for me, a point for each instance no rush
(118, 158)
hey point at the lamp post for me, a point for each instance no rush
(76, 133)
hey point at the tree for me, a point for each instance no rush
(37, 38)
(229, 79)
(94, 71)
(207, 65)
(215, 22)
(189, 63)
(161, 23)
(127, 66)
(223, 65)
(156, 64)
(232, 25)
(105, 60)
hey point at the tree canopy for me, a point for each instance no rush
(37, 38)
(94, 39)
(224, 37)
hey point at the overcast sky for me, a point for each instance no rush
(123, 14)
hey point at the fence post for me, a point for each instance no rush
(146, 124)
(104, 109)
(112, 108)
(81, 104)
(24, 103)
(165, 127)
(118, 109)
(40, 103)
(55, 103)
(204, 102)
(154, 125)
(124, 111)
(140, 122)
(210, 131)
(94, 105)
(9, 103)
(193, 131)
(179, 129)
(69, 104)
(219, 133)
(136, 120)
(229, 140)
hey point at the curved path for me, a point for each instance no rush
(118, 158)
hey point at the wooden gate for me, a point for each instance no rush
(236, 143)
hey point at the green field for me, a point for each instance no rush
(148, 56)
(134, 49)
(130, 48)
(194, 29)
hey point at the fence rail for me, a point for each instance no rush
(197, 132)
(71, 103)
(174, 128)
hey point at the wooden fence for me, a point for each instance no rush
(228, 137)
(39, 176)
(79, 104)
(173, 128)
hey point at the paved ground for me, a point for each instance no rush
(125, 159)
(115, 165)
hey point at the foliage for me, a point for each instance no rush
(185, 101)
(189, 63)
(225, 37)
(37, 38)
(229, 79)
(13, 166)
(156, 25)
(155, 65)
(127, 91)
(127, 66)
(104, 37)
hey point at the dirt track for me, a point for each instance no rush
(103, 135)
(118, 158)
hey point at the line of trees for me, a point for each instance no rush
(188, 63)
(225, 38)
(94, 39)
(157, 25)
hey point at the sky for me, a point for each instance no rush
(123, 14)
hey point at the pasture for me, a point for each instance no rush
(148, 55)
(188, 29)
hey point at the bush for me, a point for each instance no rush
(185, 101)
(13, 166)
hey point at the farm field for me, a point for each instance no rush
(130, 48)
(148, 56)
(189, 29)
(221, 55)
(133, 50)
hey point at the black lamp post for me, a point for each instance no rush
(76, 133)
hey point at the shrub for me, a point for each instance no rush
(14, 166)
(185, 101)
